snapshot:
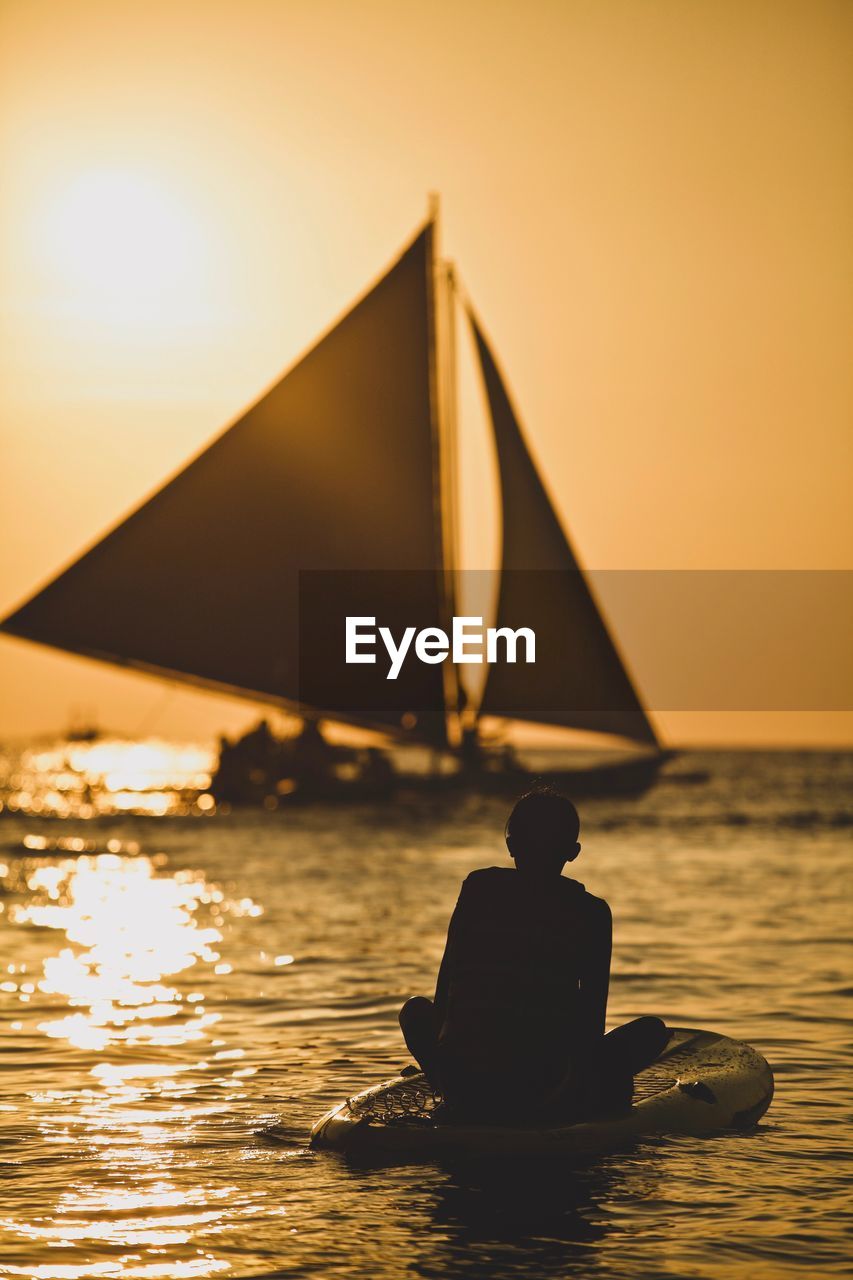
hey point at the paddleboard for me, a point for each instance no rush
(702, 1083)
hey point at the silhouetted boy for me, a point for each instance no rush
(517, 1024)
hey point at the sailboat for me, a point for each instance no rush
(341, 474)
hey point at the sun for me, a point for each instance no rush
(121, 238)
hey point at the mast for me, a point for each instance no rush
(443, 401)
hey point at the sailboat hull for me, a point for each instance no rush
(628, 777)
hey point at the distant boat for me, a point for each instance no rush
(82, 727)
(346, 465)
(79, 731)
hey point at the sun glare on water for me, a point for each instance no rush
(131, 933)
(106, 776)
(126, 990)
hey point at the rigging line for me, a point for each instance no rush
(150, 717)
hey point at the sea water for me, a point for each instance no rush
(169, 987)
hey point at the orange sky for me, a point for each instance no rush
(651, 204)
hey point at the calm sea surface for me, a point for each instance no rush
(186, 982)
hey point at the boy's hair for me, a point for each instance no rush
(543, 821)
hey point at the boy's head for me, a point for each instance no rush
(542, 832)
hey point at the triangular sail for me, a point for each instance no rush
(333, 470)
(578, 679)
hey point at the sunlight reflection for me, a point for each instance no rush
(133, 936)
(204, 1266)
(109, 775)
(137, 950)
(160, 1195)
(125, 1231)
(135, 928)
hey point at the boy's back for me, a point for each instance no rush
(508, 997)
(517, 1024)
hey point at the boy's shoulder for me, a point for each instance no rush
(486, 877)
(488, 873)
(599, 909)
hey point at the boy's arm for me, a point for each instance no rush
(442, 984)
(595, 971)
